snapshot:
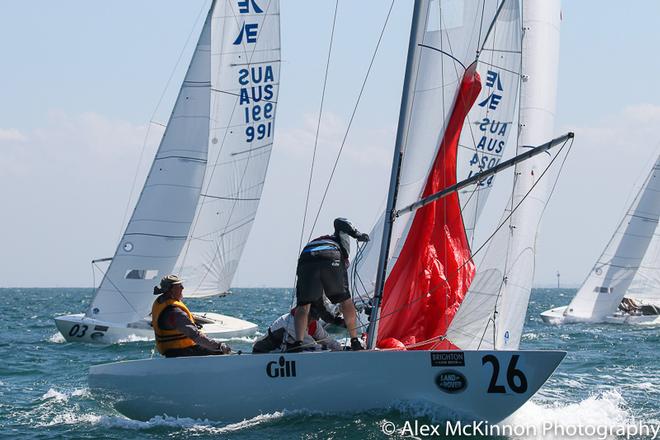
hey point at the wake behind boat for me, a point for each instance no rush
(466, 361)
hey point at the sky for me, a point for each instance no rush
(87, 86)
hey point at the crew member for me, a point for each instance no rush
(282, 334)
(322, 267)
(174, 325)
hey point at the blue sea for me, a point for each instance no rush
(610, 378)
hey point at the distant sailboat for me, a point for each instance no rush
(466, 380)
(200, 198)
(612, 275)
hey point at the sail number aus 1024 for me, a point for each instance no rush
(515, 378)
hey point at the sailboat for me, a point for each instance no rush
(201, 195)
(454, 368)
(611, 277)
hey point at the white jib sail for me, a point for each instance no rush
(608, 281)
(645, 286)
(161, 220)
(493, 311)
(246, 76)
(449, 38)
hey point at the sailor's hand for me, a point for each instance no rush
(224, 348)
(364, 237)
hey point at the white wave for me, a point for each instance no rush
(190, 425)
(530, 336)
(134, 338)
(59, 396)
(57, 338)
(55, 395)
(608, 409)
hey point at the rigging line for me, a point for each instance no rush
(318, 126)
(350, 122)
(424, 295)
(490, 28)
(444, 53)
(501, 68)
(153, 115)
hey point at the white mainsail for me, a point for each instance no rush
(613, 273)
(493, 311)
(159, 225)
(245, 85)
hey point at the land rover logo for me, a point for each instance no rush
(281, 368)
(451, 381)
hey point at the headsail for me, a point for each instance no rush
(161, 220)
(429, 267)
(613, 273)
(492, 314)
(645, 286)
(246, 75)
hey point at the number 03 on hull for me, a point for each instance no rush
(470, 385)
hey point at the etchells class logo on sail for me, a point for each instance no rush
(451, 381)
(281, 368)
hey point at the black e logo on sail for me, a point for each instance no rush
(451, 381)
(281, 368)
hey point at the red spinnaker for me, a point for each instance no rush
(433, 272)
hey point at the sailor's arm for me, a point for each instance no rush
(184, 325)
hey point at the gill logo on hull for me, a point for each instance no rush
(281, 368)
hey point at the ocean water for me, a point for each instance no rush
(610, 378)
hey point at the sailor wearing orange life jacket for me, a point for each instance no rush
(174, 325)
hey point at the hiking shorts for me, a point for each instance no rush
(322, 274)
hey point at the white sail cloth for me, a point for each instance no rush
(159, 226)
(645, 286)
(246, 73)
(493, 311)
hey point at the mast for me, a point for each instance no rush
(416, 33)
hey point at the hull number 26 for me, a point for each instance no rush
(515, 378)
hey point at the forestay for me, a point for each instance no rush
(161, 220)
(245, 86)
(613, 273)
(493, 312)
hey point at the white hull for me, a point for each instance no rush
(79, 328)
(622, 318)
(557, 316)
(236, 387)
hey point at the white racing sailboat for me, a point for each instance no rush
(611, 277)
(446, 364)
(200, 198)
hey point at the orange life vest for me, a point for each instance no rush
(169, 339)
